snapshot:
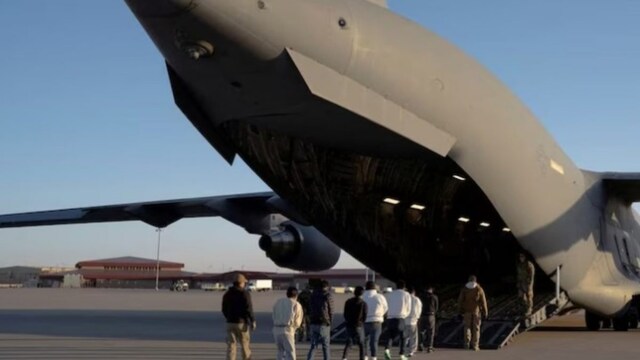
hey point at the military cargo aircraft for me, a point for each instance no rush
(381, 139)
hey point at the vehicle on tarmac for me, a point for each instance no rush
(260, 285)
(213, 287)
(180, 286)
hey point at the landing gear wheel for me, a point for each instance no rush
(633, 322)
(606, 324)
(621, 323)
(593, 321)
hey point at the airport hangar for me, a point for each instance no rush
(135, 272)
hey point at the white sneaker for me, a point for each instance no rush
(402, 357)
(387, 354)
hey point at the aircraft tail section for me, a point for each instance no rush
(382, 3)
(625, 186)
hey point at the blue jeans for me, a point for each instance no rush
(320, 335)
(355, 335)
(372, 332)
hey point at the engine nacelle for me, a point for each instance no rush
(301, 248)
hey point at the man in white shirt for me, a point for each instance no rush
(376, 308)
(412, 322)
(399, 308)
(287, 317)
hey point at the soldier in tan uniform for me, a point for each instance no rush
(473, 306)
(524, 282)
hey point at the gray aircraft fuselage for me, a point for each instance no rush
(339, 104)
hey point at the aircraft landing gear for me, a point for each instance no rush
(593, 321)
(621, 323)
(633, 318)
(628, 321)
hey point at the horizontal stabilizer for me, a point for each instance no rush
(626, 186)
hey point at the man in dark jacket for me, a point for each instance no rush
(320, 317)
(355, 312)
(238, 310)
(304, 298)
(430, 309)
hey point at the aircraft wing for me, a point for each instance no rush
(623, 185)
(157, 213)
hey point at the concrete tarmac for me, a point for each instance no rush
(144, 324)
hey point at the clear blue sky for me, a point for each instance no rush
(87, 116)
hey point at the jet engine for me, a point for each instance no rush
(301, 248)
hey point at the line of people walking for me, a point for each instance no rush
(364, 315)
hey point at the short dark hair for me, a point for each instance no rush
(401, 284)
(473, 278)
(410, 288)
(323, 284)
(358, 291)
(292, 292)
(370, 285)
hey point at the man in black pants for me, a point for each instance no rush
(355, 312)
(429, 310)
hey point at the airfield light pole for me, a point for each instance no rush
(558, 285)
(159, 231)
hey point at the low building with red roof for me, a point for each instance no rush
(122, 272)
(136, 272)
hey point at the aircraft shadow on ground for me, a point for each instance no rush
(138, 325)
(560, 329)
(573, 329)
